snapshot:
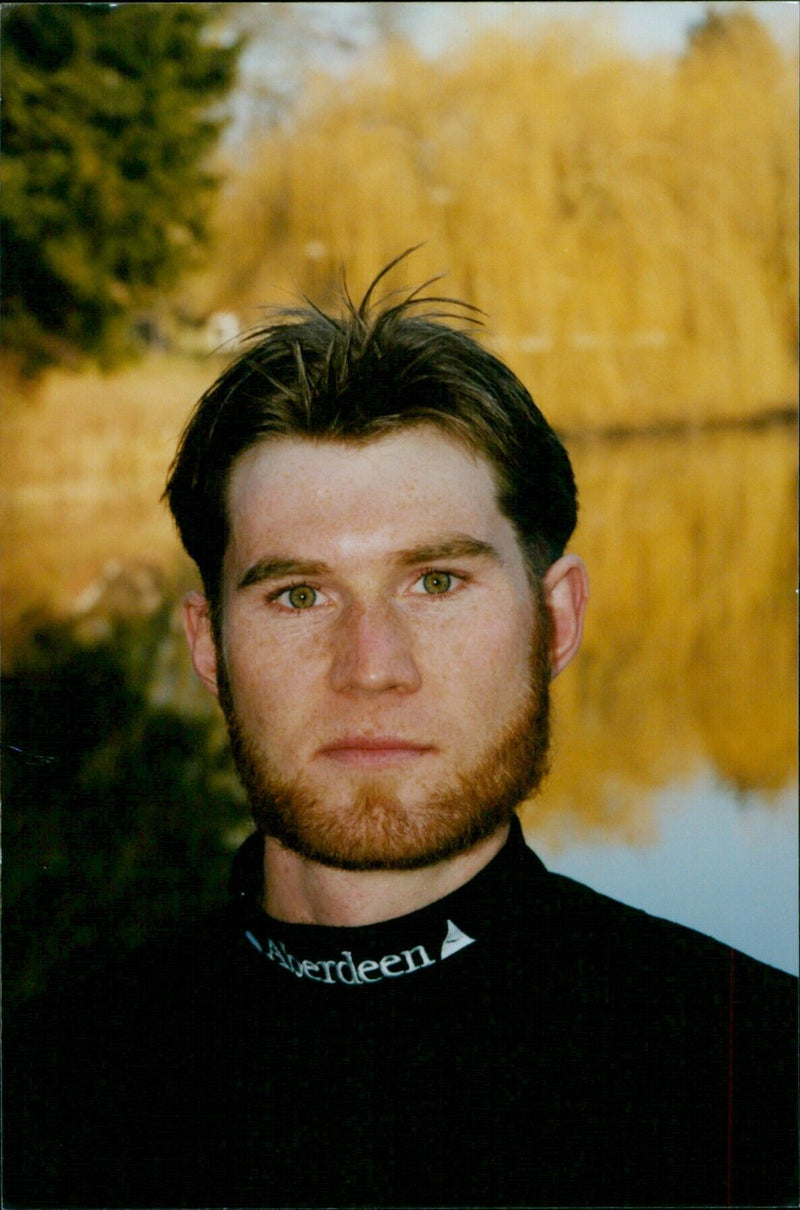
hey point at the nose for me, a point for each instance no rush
(372, 652)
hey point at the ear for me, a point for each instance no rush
(200, 636)
(566, 587)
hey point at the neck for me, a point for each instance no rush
(300, 891)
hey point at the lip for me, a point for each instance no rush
(375, 751)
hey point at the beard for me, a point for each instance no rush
(375, 830)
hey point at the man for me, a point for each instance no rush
(400, 1006)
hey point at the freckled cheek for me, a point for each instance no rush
(495, 687)
(487, 669)
(272, 679)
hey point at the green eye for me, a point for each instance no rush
(301, 596)
(437, 582)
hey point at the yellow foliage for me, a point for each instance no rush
(629, 227)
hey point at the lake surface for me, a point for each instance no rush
(674, 780)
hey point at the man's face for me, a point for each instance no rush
(383, 664)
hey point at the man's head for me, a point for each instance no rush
(354, 378)
(379, 513)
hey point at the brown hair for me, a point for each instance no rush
(354, 377)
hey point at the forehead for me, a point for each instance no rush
(412, 484)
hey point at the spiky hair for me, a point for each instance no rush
(372, 369)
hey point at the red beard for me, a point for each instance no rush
(377, 832)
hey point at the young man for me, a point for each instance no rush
(401, 1007)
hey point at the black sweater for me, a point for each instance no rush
(521, 1042)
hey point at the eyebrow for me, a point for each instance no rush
(276, 569)
(458, 546)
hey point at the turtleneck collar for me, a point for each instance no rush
(465, 921)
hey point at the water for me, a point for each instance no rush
(674, 782)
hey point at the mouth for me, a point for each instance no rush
(374, 753)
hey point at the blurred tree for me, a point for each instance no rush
(108, 121)
(119, 807)
(287, 44)
(755, 135)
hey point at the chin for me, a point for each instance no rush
(379, 833)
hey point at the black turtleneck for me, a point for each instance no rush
(523, 1041)
(477, 915)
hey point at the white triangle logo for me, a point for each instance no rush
(455, 940)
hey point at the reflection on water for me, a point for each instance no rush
(675, 760)
(689, 655)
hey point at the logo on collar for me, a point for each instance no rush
(366, 970)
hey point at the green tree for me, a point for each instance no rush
(110, 115)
